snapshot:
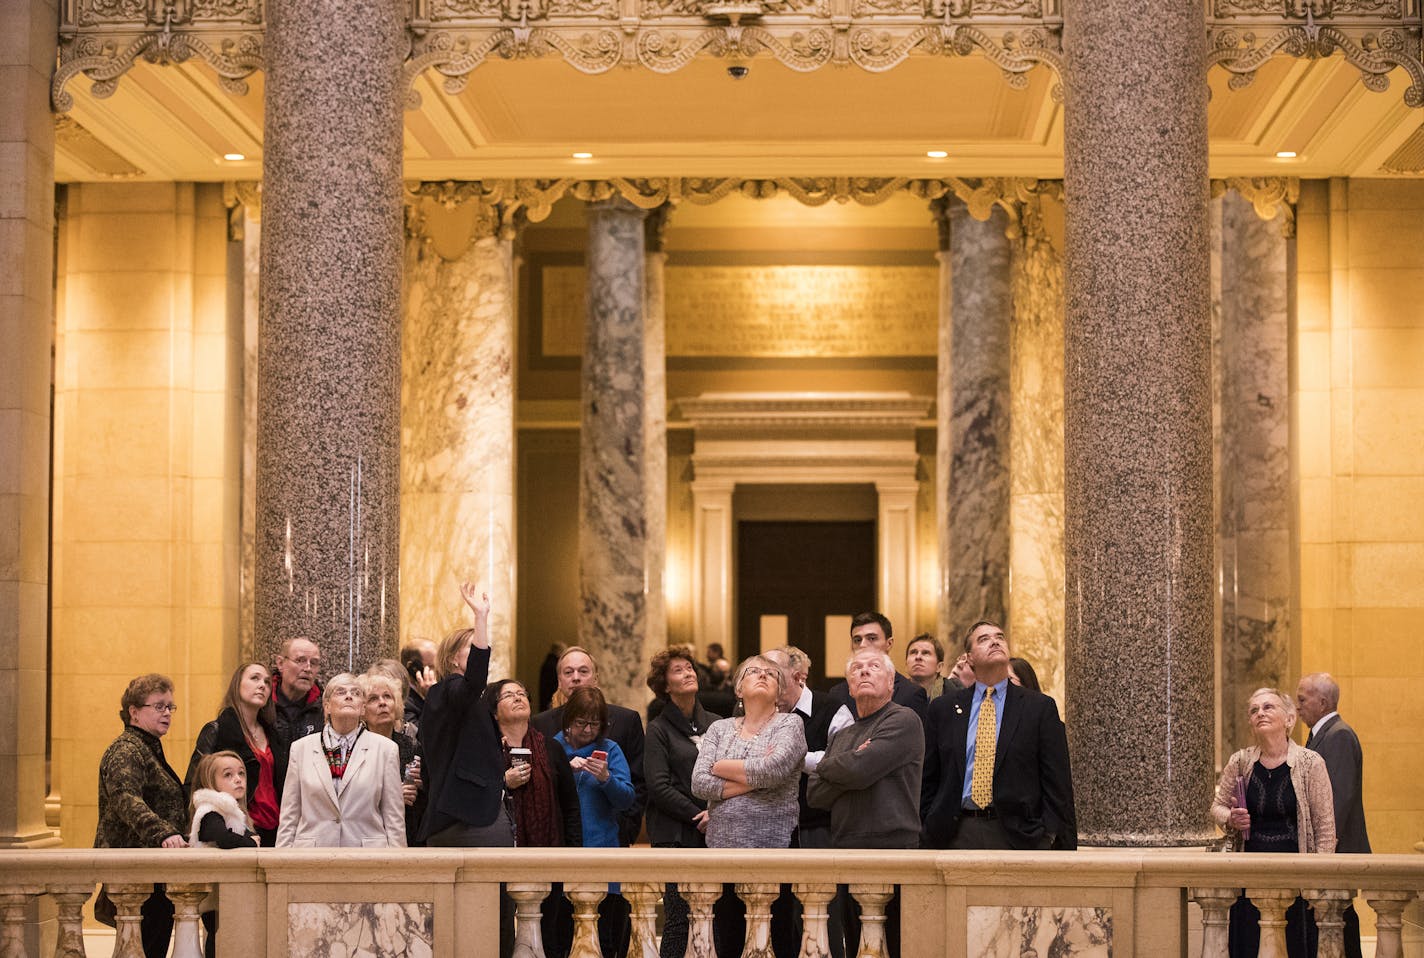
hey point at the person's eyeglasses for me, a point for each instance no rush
(757, 670)
(514, 694)
(163, 708)
(587, 726)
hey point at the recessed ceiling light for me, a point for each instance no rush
(583, 156)
(936, 154)
(1285, 154)
(234, 157)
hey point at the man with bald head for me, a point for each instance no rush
(1317, 698)
(295, 691)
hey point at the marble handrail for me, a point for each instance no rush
(1136, 897)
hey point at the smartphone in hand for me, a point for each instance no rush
(601, 755)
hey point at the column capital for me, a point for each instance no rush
(453, 214)
(1268, 195)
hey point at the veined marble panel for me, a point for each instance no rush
(655, 471)
(1039, 931)
(247, 576)
(457, 441)
(1036, 458)
(385, 929)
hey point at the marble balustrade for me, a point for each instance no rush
(441, 902)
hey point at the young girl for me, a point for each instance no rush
(219, 819)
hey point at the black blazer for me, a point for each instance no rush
(464, 763)
(224, 733)
(906, 693)
(625, 728)
(671, 754)
(818, 726)
(1033, 781)
(1338, 744)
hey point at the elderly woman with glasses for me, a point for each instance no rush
(141, 803)
(343, 785)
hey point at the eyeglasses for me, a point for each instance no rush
(302, 661)
(163, 708)
(758, 670)
(587, 725)
(514, 694)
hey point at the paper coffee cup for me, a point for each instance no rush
(520, 756)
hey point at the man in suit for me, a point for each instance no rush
(996, 772)
(577, 668)
(872, 631)
(1317, 698)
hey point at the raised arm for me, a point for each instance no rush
(479, 603)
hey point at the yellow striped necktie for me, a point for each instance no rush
(981, 786)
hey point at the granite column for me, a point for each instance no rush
(328, 435)
(457, 435)
(613, 506)
(655, 467)
(26, 331)
(976, 306)
(1137, 422)
(1254, 524)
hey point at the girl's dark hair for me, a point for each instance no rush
(586, 703)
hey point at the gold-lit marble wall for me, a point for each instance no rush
(147, 447)
(1358, 390)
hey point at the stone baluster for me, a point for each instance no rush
(815, 903)
(1216, 905)
(1329, 905)
(585, 898)
(1389, 918)
(15, 902)
(700, 898)
(758, 897)
(643, 900)
(128, 899)
(528, 937)
(187, 933)
(70, 899)
(1273, 903)
(872, 899)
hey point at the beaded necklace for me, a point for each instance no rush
(335, 760)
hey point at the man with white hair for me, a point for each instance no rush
(1317, 698)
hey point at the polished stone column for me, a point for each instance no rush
(457, 435)
(1254, 522)
(613, 505)
(1137, 422)
(26, 325)
(1036, 447)
(328, 441)
(655, 465)
(973, 435)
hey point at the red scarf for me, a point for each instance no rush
(536, 818)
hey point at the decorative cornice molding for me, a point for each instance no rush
(799, 410)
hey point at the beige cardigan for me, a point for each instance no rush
(1315, 805)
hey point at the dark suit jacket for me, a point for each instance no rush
(1338, 744)
(906, 693)
(625, 728)
(817, 727)
(464, 763)
(1033, 782)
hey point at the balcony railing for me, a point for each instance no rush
(310, 902)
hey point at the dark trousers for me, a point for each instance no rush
(675, 914)
(1244, 936)
(156, 926)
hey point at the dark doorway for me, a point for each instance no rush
(804, 571)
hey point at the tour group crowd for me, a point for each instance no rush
(429, 750)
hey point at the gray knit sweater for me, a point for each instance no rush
(870, 780)
(764, 817)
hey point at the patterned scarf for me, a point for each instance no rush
(338, 749)
(536, 814)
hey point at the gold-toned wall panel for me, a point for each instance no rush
(750, 311)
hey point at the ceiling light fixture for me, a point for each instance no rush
(1285, 154)
(234, 157)
(936, 154)
(583, 156)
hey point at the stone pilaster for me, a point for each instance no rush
(1254, 524)
(328, 443)
(26, 323)
(457, 432)
(973, 402)
(655, 466)
(1137, 421)
(613, 506)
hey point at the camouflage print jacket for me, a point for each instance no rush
(141, 799)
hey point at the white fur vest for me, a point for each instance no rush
(206, 800)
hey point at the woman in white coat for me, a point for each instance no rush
(343, 787)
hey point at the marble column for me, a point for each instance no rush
(1254, 522)
(26, 330)
(328, 434)
(457, 428)
(613, 506)
(1036, 447)
(1137, 422)
(973, 435)
(655, 465)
